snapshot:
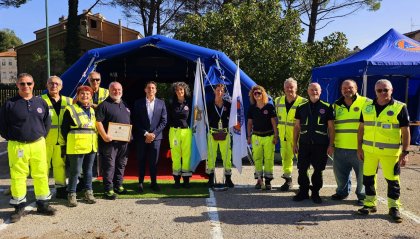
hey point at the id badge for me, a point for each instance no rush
(20, 153)
(220, 124)
(386, 126)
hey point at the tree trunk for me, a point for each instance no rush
(72, 49)
(312, 21)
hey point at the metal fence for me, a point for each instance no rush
(6, 94)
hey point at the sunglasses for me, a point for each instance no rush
(257, 93)
(382, 90)
(95, 79)
(25, 83)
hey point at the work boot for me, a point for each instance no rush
(177, 180)
(301, 195)
(395, 215)
(110, 195)
(268, 183)
(186, 183)
(120, 190)
(18, 213)
(228, 182)
(61, 193)
(366, 210)
(287, 184)
(89, 198)
(259, 184)
(72, 199)
(42, 207)
(315, 197)
(210, 183)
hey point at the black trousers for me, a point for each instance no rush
(113, 157)
(149, 153)
(315, 155)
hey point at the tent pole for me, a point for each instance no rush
(407, 80)
(364, 84)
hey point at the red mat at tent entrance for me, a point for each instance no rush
(164, 164)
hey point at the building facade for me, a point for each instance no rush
(8, 67)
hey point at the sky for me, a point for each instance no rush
(361, 28)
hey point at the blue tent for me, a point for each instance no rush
(156, 58)
(393, 56)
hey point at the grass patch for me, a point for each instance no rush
(198, 189)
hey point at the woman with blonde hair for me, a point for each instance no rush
(262, 134)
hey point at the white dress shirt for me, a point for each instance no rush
(150, 105)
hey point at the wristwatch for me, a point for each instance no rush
(405, 152)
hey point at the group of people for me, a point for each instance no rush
(60, 132)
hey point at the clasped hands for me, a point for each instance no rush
(149, 137)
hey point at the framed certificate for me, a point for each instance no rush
(119, 132)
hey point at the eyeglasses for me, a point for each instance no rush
(95, 79)
(25, 83)
(382, 90)
(257, 93)
(53, 83)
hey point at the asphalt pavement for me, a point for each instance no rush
(241, 212)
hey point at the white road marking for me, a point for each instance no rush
(216, 230)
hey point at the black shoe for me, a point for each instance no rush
(316, 198)
(61, 193)
(120, 190)
(155, 187)
(186, 183)
(177, 180)
(259, 184)
(228, 182)
(45, 209)
(268, 183)
(287, 185)
(110, 195)
(18, 213)
(338, 197)
(210, 183)
(395, 215)
(140, 188)
(366, 210)
(301, 196)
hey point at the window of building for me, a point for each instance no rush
(10, 63)
(3, 63)
(93, 23)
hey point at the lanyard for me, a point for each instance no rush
(220, 124)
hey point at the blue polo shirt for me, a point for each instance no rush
(24, 120)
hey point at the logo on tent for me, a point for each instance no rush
(407, 45)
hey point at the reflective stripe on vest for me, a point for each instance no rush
(382, 134)
(54, 135)
(286, 120)
(346, 123)
(82, 138)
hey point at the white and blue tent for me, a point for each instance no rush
(393, 56)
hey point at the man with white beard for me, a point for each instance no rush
(113, 154)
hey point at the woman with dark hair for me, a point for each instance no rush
(180, 134)
(262, 133)
(79, 131)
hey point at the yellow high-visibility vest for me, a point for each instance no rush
(82, 138)
(286, 120)
(102, 94)
(54, 135)
(346, 123)
(382, 134)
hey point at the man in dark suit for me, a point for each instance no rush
(149, 120)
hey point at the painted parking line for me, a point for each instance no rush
(3, 153)
(216, 230)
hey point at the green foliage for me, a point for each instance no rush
(266, 42)
(8, 39)
(39, 64)
(12, 3)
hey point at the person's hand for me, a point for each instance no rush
(275, 140)
(295, 149)
(149, 137)
(403, 159)
(153, 136)
(107, 138)
(249, 140)
(360, 154)
(330, 151)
